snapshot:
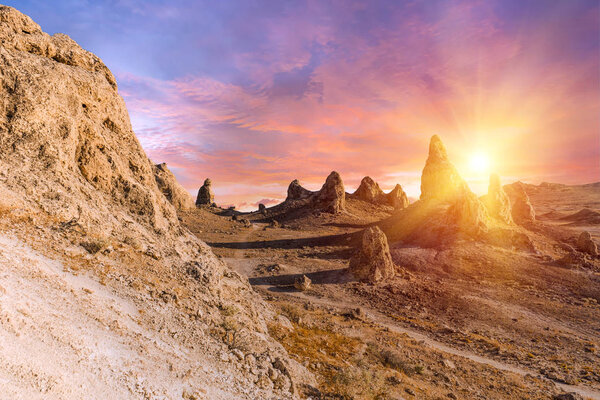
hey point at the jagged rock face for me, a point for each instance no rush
(297, 192)
(586, 244)
(173, 191)
(69, 159)
(332, 196)
(440, 181)
(65, 131)
(373, 261)
(497, 202)
(205, 195)
(522, 210)
(397, 198)
(369, 190)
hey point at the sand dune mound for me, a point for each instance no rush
(75, 182)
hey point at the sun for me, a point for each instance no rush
(479, 163)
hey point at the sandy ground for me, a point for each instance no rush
(64, 335)
(521, 323)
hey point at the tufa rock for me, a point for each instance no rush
(373, 261)
(205, 194)
(173, 191)
(586, 244)
(69, 158)
(302, 283)
(522, 210)
(262, 208)
(397, 198)
(440, 179)
(332, 196)
(297, 192)
(369, 190)
(496, 201)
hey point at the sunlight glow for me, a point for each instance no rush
(479, 163)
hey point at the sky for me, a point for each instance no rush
(254, 94)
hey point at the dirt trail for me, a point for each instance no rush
(385, 321)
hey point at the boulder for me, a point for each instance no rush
(205, 195)
(173, 191)
(522, 210)
(440, 180)
(302, 283)
(332, 196)
(586, 244)
(397, 198)
(261, 208)
(373, 261)
(369, 190)
(496, 201)
(297, 192)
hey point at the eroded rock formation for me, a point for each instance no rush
(171, 189)
(369, 191)
(522, 210)
(496, 201)
(205, 195)
(70, 160)
(373, 261)
(297, 192)
(332, 196)
(397, 198)
(440, 181)
(586, 244)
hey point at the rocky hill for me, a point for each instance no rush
(91, 235)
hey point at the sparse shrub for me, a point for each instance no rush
(293, 313)
(228, 310)
(357, 383)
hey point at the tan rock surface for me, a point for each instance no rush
(332, 196)
(205, 195)
(497, 202)
(373, 261)
(72, 171)
(171, 189)
(522, 210)
(440, 180)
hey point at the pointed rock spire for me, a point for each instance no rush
(205, 194)
(368, 190)
(332, 196)
(496, 201)
(440, 180)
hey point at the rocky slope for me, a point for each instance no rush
(79, 193)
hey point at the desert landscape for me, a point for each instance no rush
(116, 283)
